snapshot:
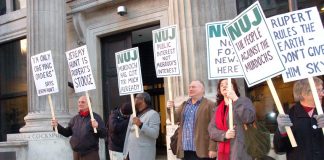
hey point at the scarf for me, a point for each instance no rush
(84, 113)
(220, 120)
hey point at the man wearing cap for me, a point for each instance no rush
(117, 127)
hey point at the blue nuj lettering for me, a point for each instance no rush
(216, 30)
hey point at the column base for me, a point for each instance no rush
(41, 122)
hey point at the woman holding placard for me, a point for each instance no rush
(305, 124)
(231, 141)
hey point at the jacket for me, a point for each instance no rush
(202, 141)
(83, 139)
(143, 147)
(117, 127)
(243, 113)
(310, 141)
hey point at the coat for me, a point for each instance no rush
(310, 141)
(83, 140)
(204, 114)
(243, 113)
(117, 127)
(143, 147)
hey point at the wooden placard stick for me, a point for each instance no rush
(90, 109)
(230, 105)
(170, 98)
(52, 110)
(281, 111)
(134, 114)
(317, 101)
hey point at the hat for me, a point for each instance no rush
(126, 109)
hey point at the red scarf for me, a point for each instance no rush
(307, 109)
(84, 113)
(220, 120)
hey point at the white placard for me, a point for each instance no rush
(299, 38)
(166, 51)
(80, 68)
(44, 73)
(254, 46)
(221, 58)
(129, 71)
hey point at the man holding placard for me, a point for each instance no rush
(148, 122)
(305, 124)
(84, 142)
(194, 116)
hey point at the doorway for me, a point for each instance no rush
(141, 38)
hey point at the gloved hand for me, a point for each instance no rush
(320, 120)
(283, 120)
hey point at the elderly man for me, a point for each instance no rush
(148, 122)
(84, 141)
(194, 116)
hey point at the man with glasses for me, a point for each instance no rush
(305, 124)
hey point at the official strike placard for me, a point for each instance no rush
(166, 52)
(129, 71)
(80, 68)
(299, 38)
(253, 44)
(221, 58)
(44, 73)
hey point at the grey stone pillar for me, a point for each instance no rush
(191, 17)
(46, 30)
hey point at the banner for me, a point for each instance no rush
(299, 39)
(221, 58)
(80, 68)
(254, 46)
(166, 51)
(44, 73)
(129, 71)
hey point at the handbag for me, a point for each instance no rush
(257, 139)
(174, 141)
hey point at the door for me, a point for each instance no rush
(110, 45)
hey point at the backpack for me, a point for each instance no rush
(174, 141)
(256, 139)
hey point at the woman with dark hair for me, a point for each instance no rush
(231, 141)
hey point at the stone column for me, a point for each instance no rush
(46, 30)
(46, 24)
(191, 17)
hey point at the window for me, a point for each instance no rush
(13, 87)
(3, 8)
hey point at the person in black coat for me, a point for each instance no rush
(117, 127)
(305, 124)
(84, 142)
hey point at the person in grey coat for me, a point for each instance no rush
(148, 122)
(231, 141)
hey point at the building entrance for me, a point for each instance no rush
(141, 38)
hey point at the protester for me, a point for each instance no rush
(194, 115)
(231, 141)
(148, 122)
(117, 127)
(305, 124)
(84, 141)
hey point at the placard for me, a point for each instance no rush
(221, 58)
(129, 71)
(44, 73)
(166, 51)
(254, 46)
(80, 68)
(299, 38)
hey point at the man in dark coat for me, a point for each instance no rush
(305, 124)
(117, 127)
(84, 142)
